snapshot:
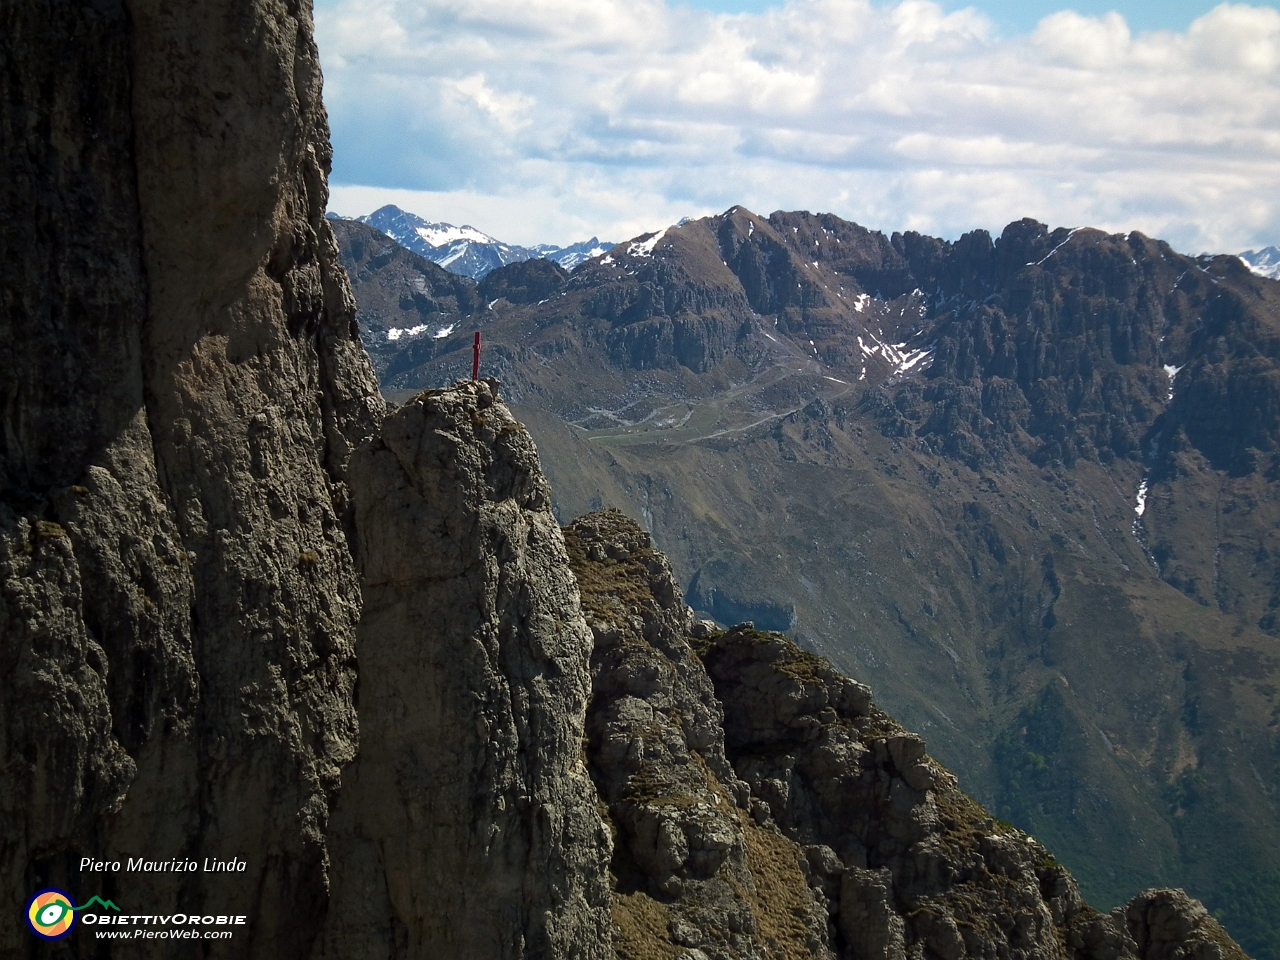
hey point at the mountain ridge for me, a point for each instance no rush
(931, 455)
(897, 860)
(465, 250)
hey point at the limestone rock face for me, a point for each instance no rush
(183, 385)
(909, 863)
(179, 596)
(468, 826)
(694, 871)
(1169, 925)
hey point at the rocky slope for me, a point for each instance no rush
(691, 868)
(935, 463)
(763, 806)
(408, 305)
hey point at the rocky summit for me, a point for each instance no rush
(468, 825)
(285, 674)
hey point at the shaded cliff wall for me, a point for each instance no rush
(183, 387)
(468, 826)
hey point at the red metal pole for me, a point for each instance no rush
(475, 358)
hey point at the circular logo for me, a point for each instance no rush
(50, 914)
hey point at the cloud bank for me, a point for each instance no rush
(551, 120)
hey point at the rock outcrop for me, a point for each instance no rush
(1169, 925)
(468, 824)
(692, 869)
(904, 858)
(527, 281)
(753, 744)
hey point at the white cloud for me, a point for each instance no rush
(1089, 43)
(509, 110)
(549, 120)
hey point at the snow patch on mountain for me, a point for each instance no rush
(442, 234)
(644, 248)
(397, 333)
(903, 360)
(1057, 248)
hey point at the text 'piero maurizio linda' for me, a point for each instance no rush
(142, 865)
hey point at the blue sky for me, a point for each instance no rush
(555, 120)
(1014, 15)
(1023, 15)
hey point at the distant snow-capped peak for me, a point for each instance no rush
(463, 250)
(1264, 262)
(467, 251)
(574, 254)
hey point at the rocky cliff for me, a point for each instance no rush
(468, 824)
(691, 868)
(183, 387)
